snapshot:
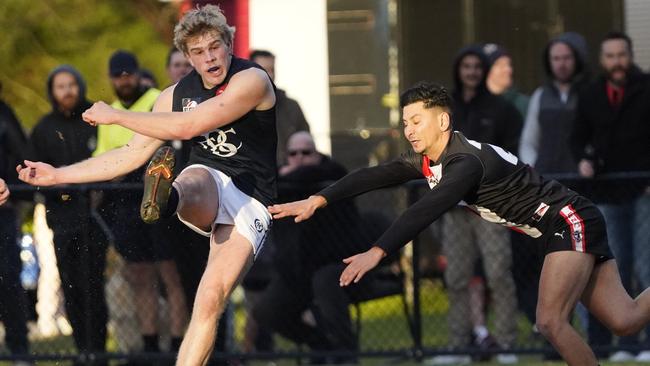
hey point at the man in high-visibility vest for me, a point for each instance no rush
(147, 249)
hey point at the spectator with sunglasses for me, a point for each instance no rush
(303, 300)
(301, 151)
(304, 165)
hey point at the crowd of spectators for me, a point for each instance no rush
(580, 121)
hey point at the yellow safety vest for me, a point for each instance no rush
(110, 137)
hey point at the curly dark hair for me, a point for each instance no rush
(431, 94)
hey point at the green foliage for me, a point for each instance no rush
(39, 35)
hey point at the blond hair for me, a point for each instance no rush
(199, 21)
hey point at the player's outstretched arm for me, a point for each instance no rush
(107, 166)
(248, 90)
(4, 192)
(302, 210)
(360, 264)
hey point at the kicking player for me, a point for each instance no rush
(229, 113)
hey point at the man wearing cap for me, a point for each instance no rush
(146, 249)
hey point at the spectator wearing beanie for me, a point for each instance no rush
(499, 79)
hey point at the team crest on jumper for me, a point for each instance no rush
(434, 175)
(190, 103)
(221, 143)
(541, 211)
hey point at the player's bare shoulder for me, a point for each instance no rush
(165, 100)
(256, 82)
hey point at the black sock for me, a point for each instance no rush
(172, 204)
(150, 343)
(176, 343)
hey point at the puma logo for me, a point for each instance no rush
(561, 235)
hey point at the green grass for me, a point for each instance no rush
(383, 328)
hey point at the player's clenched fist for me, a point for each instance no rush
(99, 114)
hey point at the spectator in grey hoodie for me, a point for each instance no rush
(545, 143)
(552, 107)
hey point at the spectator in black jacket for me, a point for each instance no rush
(481, 116)
(612, 135)
(499, 80)
(308, 256)
(13, 301)
(289, 116)
(60, 138)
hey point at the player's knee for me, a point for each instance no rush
(193, 181)
(550, 323)
(210, 301)
(622, 327)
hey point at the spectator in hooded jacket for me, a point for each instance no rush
(61, 138)
(552, 107)
(500, 77)
(482, 116)
(545, 141)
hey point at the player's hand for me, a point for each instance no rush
(360, 264)
(100, 114)
(586, 168)
(4, 192)
(302, 210)
(37, 173)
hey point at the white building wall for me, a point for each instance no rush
(296, 32)
(637, 26)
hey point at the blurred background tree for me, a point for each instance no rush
(36, 36)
